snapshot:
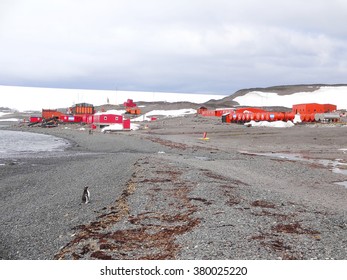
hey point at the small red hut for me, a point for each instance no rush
(107, 119)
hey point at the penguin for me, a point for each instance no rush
(85, 195)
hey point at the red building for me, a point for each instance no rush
(126, 124)
(90, 119)
(107, 119)
(35, 119)
(201, 109)
(311, 108)
(222, 111)
(84, 118)
(249, 110)
(129, 103)
(48, 114)
(208, 113)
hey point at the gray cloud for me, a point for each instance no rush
(158, 45)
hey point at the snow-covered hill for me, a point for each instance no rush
(31, 98)
(325, 94)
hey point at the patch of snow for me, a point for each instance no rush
(113, 127)
(10, 120)
(344, 183)
(3, 114)
(279, 124)
(165, 113)
(297, 119)
(119, 126)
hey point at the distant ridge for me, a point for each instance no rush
(280, 90)
(5, 109)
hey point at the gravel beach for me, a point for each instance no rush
(163, 192)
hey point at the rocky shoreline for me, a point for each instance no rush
(165, 193)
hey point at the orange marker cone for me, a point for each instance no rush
(204, 137)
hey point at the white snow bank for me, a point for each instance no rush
(3, 114)
(297, 119)
(165, 113)
(324, 95)
(270, 124)
(119, 126)
(35, 98)
(10, 120)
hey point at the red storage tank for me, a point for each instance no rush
(279, 116)
(233, 117)
(218, 113)
(289, 116)
(272, 116)
(307, 117)
(226, 118)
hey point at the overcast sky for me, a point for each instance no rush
(205, 46)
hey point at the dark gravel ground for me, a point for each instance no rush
(41, 197)
(163, 193)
